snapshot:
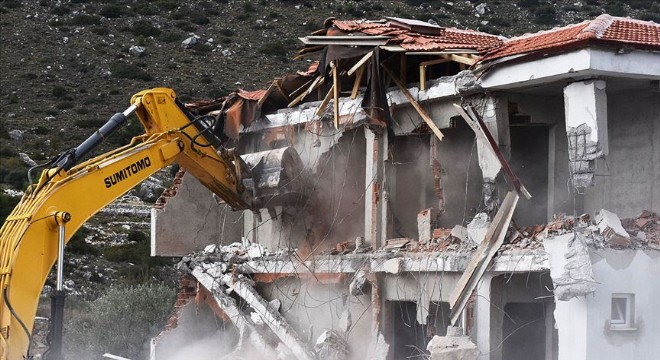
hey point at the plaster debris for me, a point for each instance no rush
(331, 346)
(392, 266)
(358, 284)
(478, 227)
(610, 227)
(453, 346)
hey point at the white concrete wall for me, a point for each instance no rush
(628, 179)
(629, 271)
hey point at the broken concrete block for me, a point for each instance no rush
(345, 321)
(256, 251)
(331, 346)
(578, 277)
(427, 220)
(454, 346)
(609, 225)
(275, 304)
(358, 283)
(209, 249)
(392, 266)
(478, 227)
(378, 348)
(459, 232)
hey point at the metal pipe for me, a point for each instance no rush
(60, 259)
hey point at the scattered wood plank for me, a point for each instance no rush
(335, 92)
(422, 113)
(482, 257)
(318, 82)
(481, 131)
(359, 64)
(267, 93)
(358, 80)
(326, 101)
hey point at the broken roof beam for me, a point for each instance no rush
(481, 131)
(335, 92)
(358, 40)
(482, 257)
(422, 113)
(460, 59)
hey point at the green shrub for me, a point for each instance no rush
(145, 29)
(4, 134)
(121, 321)
(249, 7)
(63, 105)
(129, 71)
(84, 19)
(185, 26)
(145, 9)
(497, 21)
(60, 10)
(137, 236)
(59, 91)
(7, 204)
(275, 48)
(545, 14)
(29, 76)
(615, 8)
(171, 36)
(528, 3)
(12, 4)
(167, 4)
(42, 130)
(199, 19)
(78, 245)
(226, 32)
(13, 171)
(87, 123)
(112, 11)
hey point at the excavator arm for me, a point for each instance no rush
(70, 191)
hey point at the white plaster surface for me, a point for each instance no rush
(585, 102)
(624, 271)
(570, 316)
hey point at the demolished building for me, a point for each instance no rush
(426, 159)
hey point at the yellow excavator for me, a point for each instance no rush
(70, 190)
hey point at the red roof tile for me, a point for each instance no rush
(602, 28)
(448, 38)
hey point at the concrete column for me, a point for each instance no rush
(585, 107)
(483, 317)
(495, 114)
(570, 316)
(375, 200)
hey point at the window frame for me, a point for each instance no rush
(628, 312)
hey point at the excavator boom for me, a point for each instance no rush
(70, 191)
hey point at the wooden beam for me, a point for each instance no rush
(482, 257)
(481, 131)
(358, 80)
(460, 59)
(359, 64)
(325, 102)
(403, 67)
(422, 70)
(268, 91)
(318, 82)
(335, 92)
(422, 113)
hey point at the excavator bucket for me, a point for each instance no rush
(278, 178)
